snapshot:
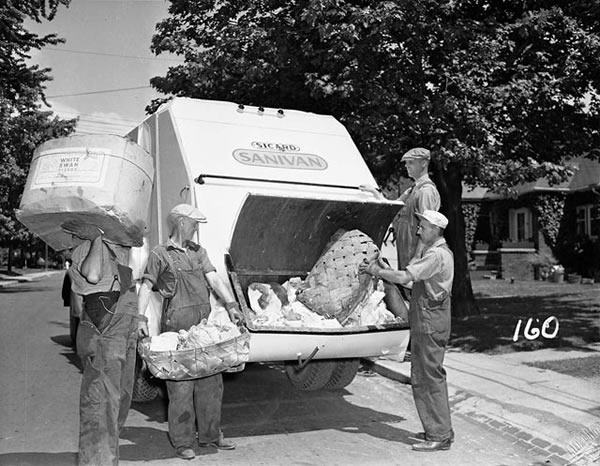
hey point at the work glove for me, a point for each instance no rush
(142, 327)
(233, 309)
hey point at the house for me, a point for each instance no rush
(518, 237)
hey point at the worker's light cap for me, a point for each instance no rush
(435, 218)
(185, 210)
(418, 153)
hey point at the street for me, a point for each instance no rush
(370, 422)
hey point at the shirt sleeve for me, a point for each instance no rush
(428, 198)
(154, 266)
(425, 267)
(205, 262)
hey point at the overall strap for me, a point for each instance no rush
(113, 257)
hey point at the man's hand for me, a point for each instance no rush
(143, 327)
(372, 268)
(374, 190)
(235, 314)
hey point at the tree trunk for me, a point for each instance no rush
(10, 258)
(449, 184)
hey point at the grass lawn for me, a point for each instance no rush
(576, 308)
(587, 368)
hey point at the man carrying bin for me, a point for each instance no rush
(432, 273)
(101, 282)
(182, 273)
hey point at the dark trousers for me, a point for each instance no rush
(108, 359)
(428, 380)
(195, 406)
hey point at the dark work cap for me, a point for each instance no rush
(418, 153)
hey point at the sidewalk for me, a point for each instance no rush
(11, 280)
(542, 410)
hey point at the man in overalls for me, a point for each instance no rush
(421, 196)
(182, 273)
(432, 274)
(106, 344)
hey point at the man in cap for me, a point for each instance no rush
(182, 273)
(423, 195)
(432, 274)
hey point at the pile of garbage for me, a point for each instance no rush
(276, 305)
(333, 295)
(201, 335)
(214, 345)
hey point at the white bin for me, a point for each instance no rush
(100, 180)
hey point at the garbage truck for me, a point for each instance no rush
(275, 186)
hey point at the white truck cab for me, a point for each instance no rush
(275, 185)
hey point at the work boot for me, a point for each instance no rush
(220, 443)
(185, 453)
(433, 446)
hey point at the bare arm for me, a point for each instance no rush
(143, 302)
(401, 277)
(219, 286)
(91, 267)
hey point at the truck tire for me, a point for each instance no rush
(343, 374)
(314, 376)
(145, 387)
(73, 327)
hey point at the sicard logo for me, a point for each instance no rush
(275, 146)
(272, 159)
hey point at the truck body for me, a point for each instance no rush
(275, 185)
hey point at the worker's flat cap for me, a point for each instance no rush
(185, 210)
(418, 153)
(435, 218)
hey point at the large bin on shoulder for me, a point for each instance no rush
(98, 180)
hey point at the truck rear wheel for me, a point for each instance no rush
(313, 376)
(145, 387)
(343, 374)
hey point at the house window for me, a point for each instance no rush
(588, 220)
(520, 224)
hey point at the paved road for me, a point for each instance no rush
(369, 423)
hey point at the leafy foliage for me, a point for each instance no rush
(549, 208)
(23, 123)
(470, 211)
(501, 92)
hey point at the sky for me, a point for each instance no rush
(102, 72)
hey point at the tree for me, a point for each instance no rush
(23, 123)
(501, 92)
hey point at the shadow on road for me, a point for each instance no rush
(70, 354)
(260, 401)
